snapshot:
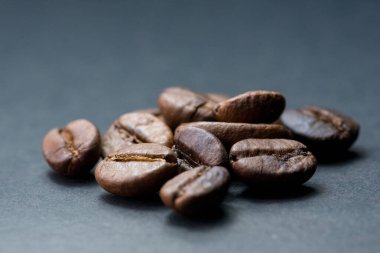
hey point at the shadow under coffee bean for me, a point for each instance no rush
(83, 180)
(150, 203)
(278, 194)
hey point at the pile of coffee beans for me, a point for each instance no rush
(193, 144)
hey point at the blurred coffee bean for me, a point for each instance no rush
(324, 131)
(179, 105)
(154, 111)
(251, 107)
(217, 97)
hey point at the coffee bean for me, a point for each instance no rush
(251, 107)
(180, 105)
(196, 191)
(137, 170)
(324, 131)
(73, 150)
(196, 146)
(272, 162)
(136, 127)
(230, 133)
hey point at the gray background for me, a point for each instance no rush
(62, 60)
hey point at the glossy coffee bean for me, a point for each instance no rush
(74, 149)
(196, 191)
(324, 131)
(272, 162)
(230, 133)
(251, 107)
(136, 127)
(179, 105)
(196, 146)
(137, 170)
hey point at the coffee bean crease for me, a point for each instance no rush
(137, 158)
(182, 187)
(127, 135)
(69, 142)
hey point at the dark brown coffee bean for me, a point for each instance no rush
(74, 149)
(272, 162)
(230, 133)
(136, 127)
(137, 170)
(196, 146)
(324, 131)
(180, 105)
(251, 107)
(196, 191)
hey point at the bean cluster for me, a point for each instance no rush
(190, 147)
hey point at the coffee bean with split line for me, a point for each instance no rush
(136, 127)
(324, 131)
(179, 105)
(272, 162)
(251, 107)
(137, 170)
(196, 146)
(74, 149)
(196, 191)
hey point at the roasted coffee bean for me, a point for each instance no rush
(324, 131)
(136, 127)
(230, 133)
(251, 107)
(196, 146)
(180, 105)
(272, 162)
(196, 191)
(73, 150)
(137, 170)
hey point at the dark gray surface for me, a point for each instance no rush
(98, 59)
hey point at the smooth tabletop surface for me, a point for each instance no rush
(63, 60)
